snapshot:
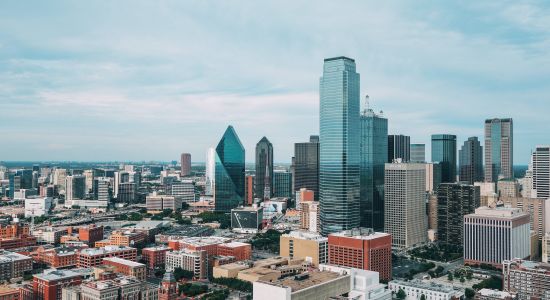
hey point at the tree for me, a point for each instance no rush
(401, 294)
(423, 297)
(439, 269)
(469, 293)
(180, 273)
(462, 280)
(450, 277)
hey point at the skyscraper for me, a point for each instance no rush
(470, 161)
(540, 166)
(282, 184)
(306, 165)
(454, 201)
(499, 149)
(444, 152)
(185, 164)
(339, 148)
(405, 215)
(418, 153)
(264, 169)
(75, 187)
(399, 146)
(374, 154)
(229, 172)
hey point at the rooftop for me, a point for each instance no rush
(124, 261)
(306, 280)
(306, 235)
(53, 274)
(498, 212)
(12, 255)
(204, 241)
(234, 244)
(494, 293)
(426, 285)
(361, 233)
(104, 250)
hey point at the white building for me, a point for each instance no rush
(546, 248)
(38, 206)
(404, 204)
(414, 290)
(194, 261)
(540, 162)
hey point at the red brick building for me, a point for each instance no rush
(361, 249)
(8, 293)
(58, 257)
(126, 267)
(92, 257)
(90, 234)
(48, 285)
(249, 190)
(154, 257)
(241, 251)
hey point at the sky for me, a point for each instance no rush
(147, 80)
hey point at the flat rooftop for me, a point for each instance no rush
(204, 241)
(305, 235)
(234, 244)
(498, 212)
(431, 286)
(13, 255)
(361, 234)
(124, 261)
(106, 249)
(53, 274)
(312, 279)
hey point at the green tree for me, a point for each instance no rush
(401, 294)
(450, 277)
(423, 297)
(462, 280)
(180, 273)
(469, 293)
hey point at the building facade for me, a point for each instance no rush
(499, 149)
(444, 152)
(229, 172)
(306, 165)
(264, 169)
(418, 153)
(399, 147)
(311, 247)
(185, 162)
(454, 201)
(282, 184)
(470, 161)
(339, 178)
(540, 168)
(527, 279)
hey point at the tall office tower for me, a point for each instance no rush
(546, 248)
(248, 190)
(499, 149)
(210, 172)
(229, 172)
(527, 182)
(185, 162)
(264, 169)
(418, 153)
(89, 175)
(59, 176)
(404, 204)
(540, 166)
(126, 192)
(454, 201)
(374, 155)
(399, 146)
(75, 187)
(101, 189)
(339, 145)
(492, 235)
(470, 161)
(306, 165)
(444, 152)
(282, 184)
(433, 176)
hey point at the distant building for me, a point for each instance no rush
(304, 195)
(538, 210)
(499, 147)
(361, 249)
(492, 235)
(527, 279)
(540, 164)
(126, 267)
(433, 176)
(264, 169)
(185, 190)
(546, 248)
(189, 260)
(247, 219)
(157, 203)
(444, 152)
(399, 147)
(228, 172)
(75, 187)
(309, 216)
(101, 190)
(312, 247)
(92, 257)
(127, 192)
(48, 285)
(306, 166)
(415, 289)
(282, 184)
(37, 206)
(454, 201)
(508, 188)
(418, 153)
(404, 206)
(488, 294)
(470, 161)
(185, 162)
(248, 190)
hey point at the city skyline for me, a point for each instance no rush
(97, 94)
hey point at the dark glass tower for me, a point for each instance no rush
(499, 149)
(282, 184)
(306, 165)
(264, 169)
(444, 152)
(454, 201)
(399, 146)
(229, 172)
(339, 145)
(374, 154)
(470, 161)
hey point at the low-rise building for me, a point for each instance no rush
(527, 279)
(90, 234)
(8, 293)
(59, 258)
(157, 203)
(189, 260)
(49, 235)
(154, 257)
(92, 257)
(238, 250)
(247, 219)
(37, 206)
(48, 285)
(127, 238)
(310, 246)
(414, 289)
(489, 294)
(13, 265)
(230, 270)
(126, 267)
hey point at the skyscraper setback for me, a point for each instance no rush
(264, 169)
(470, 161)
(499, 149)
(444, 152)
(306, 165)
(374, 154)
(339, 148)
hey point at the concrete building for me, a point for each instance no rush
(157, 203)
(508, 188)
(38, 206)
(489, 294)
(487, 193)
(527, 279)
(499, 149)
(13, 265)
(185, 190)
(538, 210)
(454, 201)
(492, 235)
(92, 257)
(361, 249)
(189, 260)
(540, 172)
(418, 153)
(50, 235)
(433, 176)
(546, 248)
(404, 207)
(185, 163)
(306, 166)
(48, 285)
(414, 289)
(309, 216)
(311, 247)
(126, 267)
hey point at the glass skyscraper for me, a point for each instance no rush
(399, 146)
(229, 172)
(282, 184)
(306, 165)
(444, 152)
(499, 149)
(470, 161)
(418, 153)
(339, 145)
(264, 169)
(374, 154)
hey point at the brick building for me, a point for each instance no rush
(127, 238)
(62, 257)
(362, 249)
(94, 256)
(90, 234)
(154, 257)
(48, 285)
(8, 293)
(241, 251)
(13, 265)
(126, 267)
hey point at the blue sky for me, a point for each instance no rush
(147, 80)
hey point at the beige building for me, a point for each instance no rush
(311, 247)
(432, 211)
(189, 260)
(230, 270)
(487, 193)
(126, 267)
(157, 203)
(124, 288)
(546, 248)
(310, 216)
(538, 210)
(508, 188)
